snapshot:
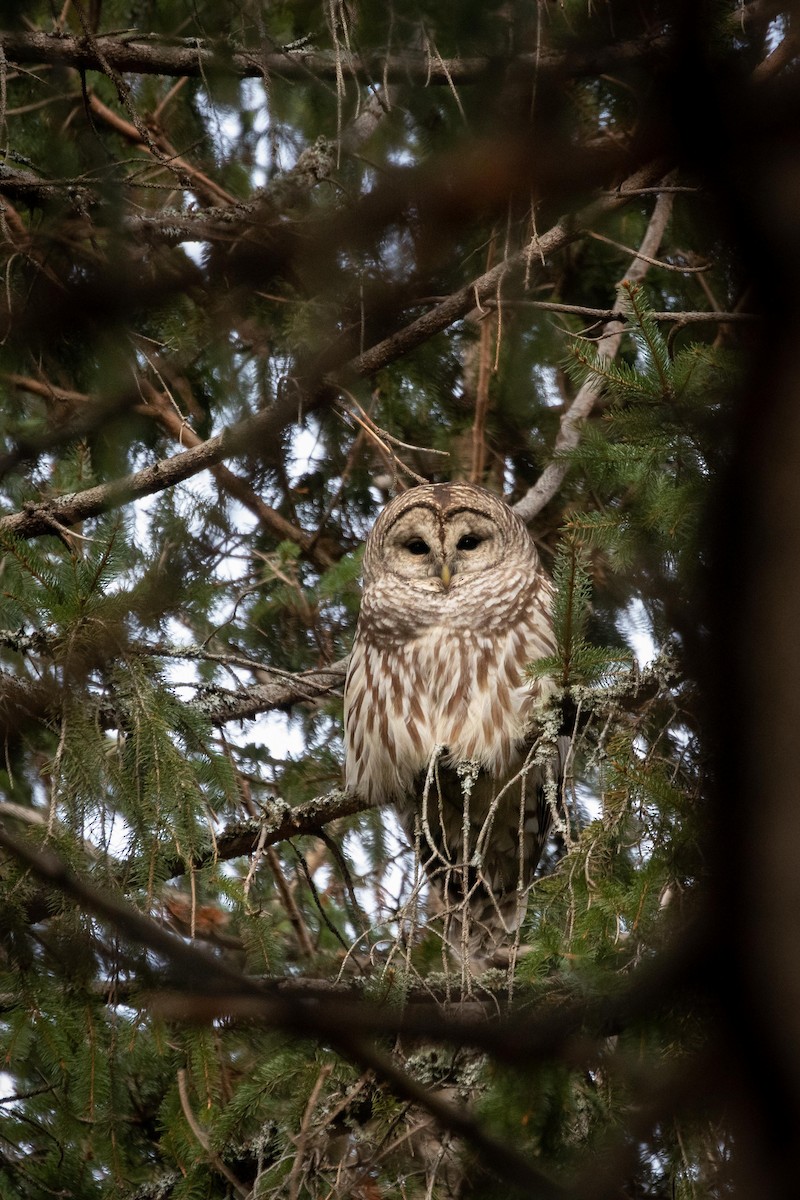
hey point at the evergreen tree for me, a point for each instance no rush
(263, 266)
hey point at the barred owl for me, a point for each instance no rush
(439, 708)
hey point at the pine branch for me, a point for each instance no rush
(157, 406)
(211, 976)
(213, 990)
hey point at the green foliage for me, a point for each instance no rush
(652, 455)
(124, 635)
(578, 661)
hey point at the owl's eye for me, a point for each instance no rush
(469, 542)
(417, 546)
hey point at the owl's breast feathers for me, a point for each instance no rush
(443, 676)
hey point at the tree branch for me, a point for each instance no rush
(608, 344)
(678, 317)
(243, 838)
(213, 990)
(221, 705)
(137, 53)
(62, 511)
(211, 976)
(271, 520)
(485, 286)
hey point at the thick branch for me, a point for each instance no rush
(143, 56)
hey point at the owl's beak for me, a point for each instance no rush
(445, 576)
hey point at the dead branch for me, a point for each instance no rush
(608, 344)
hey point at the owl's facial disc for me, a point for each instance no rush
(434, 549)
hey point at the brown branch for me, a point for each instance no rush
(485, 286)
(195, 58)
(159, 148)
(159, 407)
(784, 53)
(136, 53)
(41, 518)
(302, 1137)
(290, 904)
(480, 363)
(203, 1140)
(44, 388)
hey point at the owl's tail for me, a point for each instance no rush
(482, 930)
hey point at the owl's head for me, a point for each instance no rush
(437, 535)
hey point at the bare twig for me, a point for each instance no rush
(202, 1137)
(305, 1126)
(679, 316)
(290, 904)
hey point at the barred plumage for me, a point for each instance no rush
(455, 605)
